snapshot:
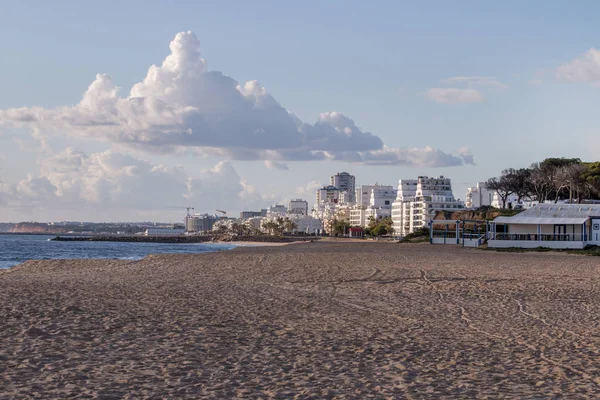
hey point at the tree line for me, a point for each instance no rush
(550, 180)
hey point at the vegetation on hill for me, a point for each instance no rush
(486, 213)
(552, 179)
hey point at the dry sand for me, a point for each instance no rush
(316, 320)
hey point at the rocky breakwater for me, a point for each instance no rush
(135, 239)
(183, 239)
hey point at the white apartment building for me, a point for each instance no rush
(372, 201)
(307, 224)
(363, 194)
(298, 206)
(407, 190)
(430, 195)
(479, 196)
(511, 200)
(345, 182)
(304, 224)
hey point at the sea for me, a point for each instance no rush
(16, 249)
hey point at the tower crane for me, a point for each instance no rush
(224, 213)
(188, 210)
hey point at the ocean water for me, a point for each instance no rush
(15, 249)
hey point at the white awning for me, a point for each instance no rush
(539, 220)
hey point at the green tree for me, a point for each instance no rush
(340, 227)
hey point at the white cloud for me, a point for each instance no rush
(467, 155)
(309, 190)
(182, 104)
(425, 157)
(585, 68)
(112, 180)
(455, 95)
(471, 81)
(276, 165)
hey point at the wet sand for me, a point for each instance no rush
(313, 320)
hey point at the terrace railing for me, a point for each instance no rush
(544, 237)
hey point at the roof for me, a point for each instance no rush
(549, 214)
(539, 221)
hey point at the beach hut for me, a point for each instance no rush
(555, 226)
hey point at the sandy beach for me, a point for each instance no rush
(307, 321)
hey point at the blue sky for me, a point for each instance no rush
(376, 65)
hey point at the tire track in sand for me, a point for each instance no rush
(538, 352)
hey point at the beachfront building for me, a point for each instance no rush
(200, 222)
(362, 194)
(431, 194)
(303, 223)
(372, 201)
(556, 226)
(346, 183)
(253, 224)
(358, 216)
(306, 224)
(298, 206)
(401, 207)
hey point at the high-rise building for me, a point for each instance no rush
(345, 182)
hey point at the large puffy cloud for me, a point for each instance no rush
(182, 104)
(585, 68)
(109, 179)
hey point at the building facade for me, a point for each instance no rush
(372, 201)
(431, 194)
(345, 182)
(328, 194)
(200, 222)
(479, 196)
(298, 206)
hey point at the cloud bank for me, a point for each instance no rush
(182, 104)
(110, 179)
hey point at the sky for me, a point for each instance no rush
(132, 111)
